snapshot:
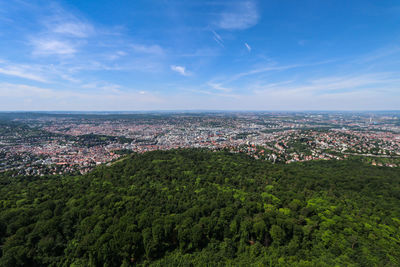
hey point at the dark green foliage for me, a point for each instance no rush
(186, 207)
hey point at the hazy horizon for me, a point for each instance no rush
(193, 111)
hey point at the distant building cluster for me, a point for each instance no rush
(68, 144)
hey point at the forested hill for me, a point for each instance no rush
(184, 207)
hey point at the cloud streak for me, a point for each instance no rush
(180, 69)
(21, 90)
(219, 87)
(66, 24)
(49, 46)
(16, 96)
(22, 72)
(217, 38)
(248, 47)
(44, 73)
(62, 33)
(271, 68)
(73, 29)
(377, 83)
(148, 49)
(239, 16)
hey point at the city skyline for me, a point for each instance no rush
(211, 55)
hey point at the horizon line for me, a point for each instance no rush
(193, 110)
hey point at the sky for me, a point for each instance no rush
(199, 55)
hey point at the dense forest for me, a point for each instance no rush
(195, 207)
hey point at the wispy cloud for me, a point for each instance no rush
(201, 52)
(45, 73)
(368, 99)
(205, 92)
(378, 55)
(275, 68)
(67, 24)
(16, 96)
(103, 86)
(337, 84)
(219, 87)
(239, 16)
(49, 46)
(21, 90)
(61, 34)
(80, 30)
(351, 82)
(148, 49)
(263, 69)
(217, 38)
(116, 55)
(367, 91)
(22, 72)
(247, 46)
(180, 69)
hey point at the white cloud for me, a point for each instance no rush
(179, 69)
(61, 34)
(247, 46)
(22, 72)
(205, 92)
(241, 15)
(103, 86)
(368, 99)
(378, 55)
(217, 38)
(67, 77)
(219, 87)
(148, 49)
(274, 68)
(325, 88)
(21, 90)
(44, 46)
(65, 23)
(116, 55)
(75, 29)
(25, 97)
(349, 82)
(262, 70)
(46, 73)
(121, 53)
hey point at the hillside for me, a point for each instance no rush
(197, 207)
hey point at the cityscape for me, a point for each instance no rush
(46, 143)
(199, 133)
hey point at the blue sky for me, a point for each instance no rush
(218, 55)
